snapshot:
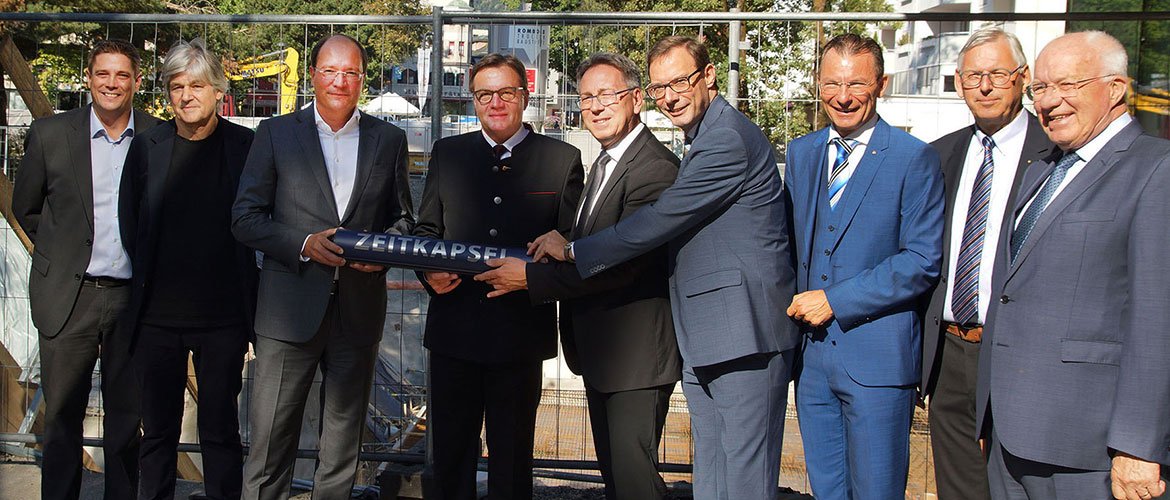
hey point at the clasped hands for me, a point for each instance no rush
(509, 274)
(319, 248)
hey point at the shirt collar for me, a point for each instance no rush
(620, 148)
(350, 124)
(96, 129)
(1096, 144)
(513, 141)
(1010, 134)
(859, 136)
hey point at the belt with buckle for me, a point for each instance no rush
(104, 281)
(968, 334)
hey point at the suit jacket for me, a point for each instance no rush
(952, 150)
(144, 180)
(616, 328)
(1073, 360)
(877, 254)
(469, 196)
(53, 202)
(726, 230)
(285, 196)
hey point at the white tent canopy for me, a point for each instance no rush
(390, 104)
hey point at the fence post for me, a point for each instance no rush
(436, 76)
(733, 61)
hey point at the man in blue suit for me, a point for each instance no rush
(725, 226)
(867, 206)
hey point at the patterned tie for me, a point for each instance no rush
(838, 179)
(1041, 202)
(965, 294)
(596, 175)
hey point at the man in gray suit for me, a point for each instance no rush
(1074, 384)
(308, 173)
(726, 229)
(66, 200)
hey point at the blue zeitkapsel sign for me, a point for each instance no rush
(412, 252)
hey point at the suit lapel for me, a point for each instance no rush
(861, 179)
(310, 145)
(1101, 164)
(952, 173)
(158, 167)
(367, 150)
(78, 144)
(619, 171)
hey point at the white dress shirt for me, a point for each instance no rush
(108, 257)
(510, 144)
(615, 156)
(340, 150)
(859, 139)
(1086, 152)
(1005, 157)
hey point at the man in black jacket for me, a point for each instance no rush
(66, 200)
(504, 186)
(616, 328)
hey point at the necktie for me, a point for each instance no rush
(965, 294)
(838, 179)
(596, 175)
(499, 150)
(1041, 202)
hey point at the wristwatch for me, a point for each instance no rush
(569, 253)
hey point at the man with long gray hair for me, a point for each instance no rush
(194, 286)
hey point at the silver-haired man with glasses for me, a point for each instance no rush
(1074, 387)
(616, 329)
(503, 185)
(982, 165)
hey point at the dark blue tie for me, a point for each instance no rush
(1041, 202)
(965, 294)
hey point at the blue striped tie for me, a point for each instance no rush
(838, 179)
(1041, 202)
(965, 294)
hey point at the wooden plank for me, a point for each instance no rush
(21, 76)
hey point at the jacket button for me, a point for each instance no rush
(827, 252)
(1005, 299)
(804, 264)
(832, 228)
(89, 243)
(824, 277)
(496, 168)
(497, 200)
(493, 232)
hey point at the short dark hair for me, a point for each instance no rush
(850, 44)
(115, 47)
(617, 61)
(497, 59)
(321, 43)
(697, 50)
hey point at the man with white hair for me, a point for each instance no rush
(1074, 387)
(194, 285)
(982, 165)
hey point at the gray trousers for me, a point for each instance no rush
(737, 422)
(1015, 478)
(284, 374)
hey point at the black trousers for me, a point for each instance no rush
(960, 470)
(467, 395)
(160, 361)
(67, 361)
(627, 426)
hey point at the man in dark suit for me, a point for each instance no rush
(867, 201)
(503, 185)
(66, 199)
(307, 174)
(982, 164)
(725, 226)
(616, 329)
(1074, 387)
(194, 285)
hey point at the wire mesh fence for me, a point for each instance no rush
(417, 79)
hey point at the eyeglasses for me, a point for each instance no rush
(1063, 89)
(678, 85)
(346, 76)
(854, 88)
(607, 98)
(507, 94)
(1000, 78)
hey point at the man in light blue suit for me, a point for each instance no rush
(725, 226)
(867, 207)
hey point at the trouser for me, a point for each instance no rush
(284, 375)
(1015, 478)
(67, 361)
(160, 358)
(468, 395)
(627, 426)
(737, 423)
(960, 470)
